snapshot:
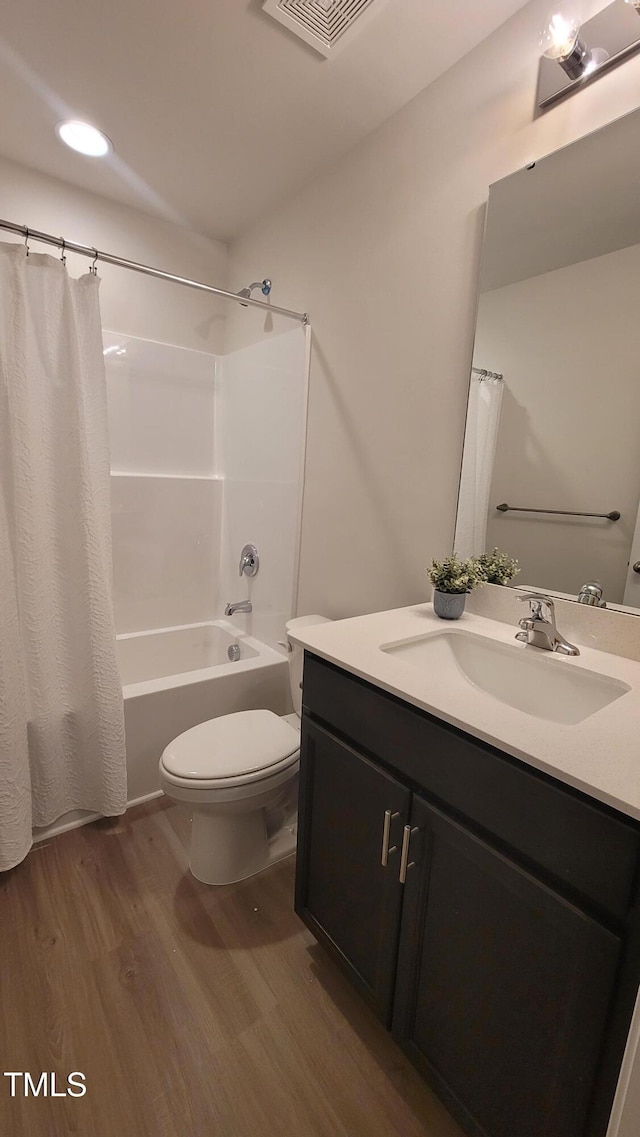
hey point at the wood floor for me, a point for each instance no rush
(191, 1011)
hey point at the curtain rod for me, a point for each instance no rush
(120, 262)
(486, 374)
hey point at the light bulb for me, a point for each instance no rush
(560, 41)
(560, 36)
(84, 138)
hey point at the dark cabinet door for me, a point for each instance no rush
(503, 987)
(344, 893)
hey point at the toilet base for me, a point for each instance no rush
(227, 848)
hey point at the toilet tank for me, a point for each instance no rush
(296, 657)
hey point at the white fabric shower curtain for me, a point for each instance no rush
(61, 714)
(480, 440)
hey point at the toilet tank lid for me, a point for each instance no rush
(232, 745)
(306, 622)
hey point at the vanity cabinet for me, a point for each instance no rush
(349, 901)
(505, 958)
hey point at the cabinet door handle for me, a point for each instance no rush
(386, 830)
(405, 863)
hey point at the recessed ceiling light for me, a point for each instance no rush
(84, 138)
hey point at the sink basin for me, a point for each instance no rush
(537, 682)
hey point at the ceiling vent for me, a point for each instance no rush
(324, 24)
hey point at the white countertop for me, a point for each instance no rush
(600, 755)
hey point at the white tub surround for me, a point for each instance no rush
(166, 500)
(598, 755)
(166, 548)
(261, 409)
(207, 455)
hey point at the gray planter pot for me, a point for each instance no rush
(448, 605)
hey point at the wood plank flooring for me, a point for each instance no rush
(191, 1011)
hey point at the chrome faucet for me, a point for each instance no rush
(540, 630)
(592, 593)
(240, 606)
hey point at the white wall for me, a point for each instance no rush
(383, 251)
(568, 436)
(130, 303)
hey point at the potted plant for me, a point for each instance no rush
(452, 578)
(497, 567)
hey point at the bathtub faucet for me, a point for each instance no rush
(241, 606)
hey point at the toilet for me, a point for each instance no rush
(238, 775)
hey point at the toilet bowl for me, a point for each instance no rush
(238, 775)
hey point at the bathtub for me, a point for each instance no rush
(174, 654)
(174, 678)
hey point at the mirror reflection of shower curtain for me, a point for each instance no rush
(480, 441)
(61, 713)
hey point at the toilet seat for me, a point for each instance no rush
(232, 750)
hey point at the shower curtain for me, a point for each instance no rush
(480, 440)
(61, 713)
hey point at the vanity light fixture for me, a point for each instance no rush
(574, 54)
(561, 41)
(84, 138)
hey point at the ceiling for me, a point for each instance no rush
(216, 111)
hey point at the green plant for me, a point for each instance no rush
(497, 567)
(455, 575)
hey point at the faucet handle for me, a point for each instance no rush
(537, 596)
(249, 561)
(536, 600)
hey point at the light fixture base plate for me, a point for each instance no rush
(611, 36)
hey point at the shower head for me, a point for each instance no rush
(263, 285)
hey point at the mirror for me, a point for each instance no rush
(553, 424)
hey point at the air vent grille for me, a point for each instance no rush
(324, 24)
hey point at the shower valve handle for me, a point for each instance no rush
(249, 561)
